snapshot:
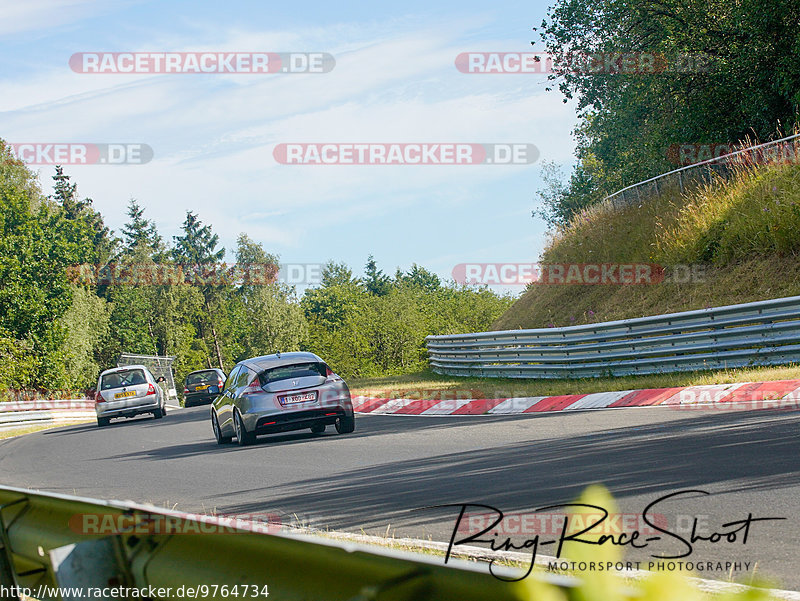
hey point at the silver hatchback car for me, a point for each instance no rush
(128, 391)
(278, 393)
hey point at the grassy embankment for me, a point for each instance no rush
(743, 235)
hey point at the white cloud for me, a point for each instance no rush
(213, 135)
(31, 15)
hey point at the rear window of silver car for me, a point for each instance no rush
(288, 372)
(121, 379)
(203, 377)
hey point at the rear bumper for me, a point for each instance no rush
(197, 398)
(149, 407)
(296, 420)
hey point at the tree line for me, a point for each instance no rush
(58, 332)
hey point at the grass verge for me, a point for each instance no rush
(428, 385)
(13, 432)
(725, 243)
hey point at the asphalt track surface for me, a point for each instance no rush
(388, 474)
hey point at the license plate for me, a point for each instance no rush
(199, 388)
(299, 398)
(124, 395)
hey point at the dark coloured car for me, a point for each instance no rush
(278, 393)
(202, 386)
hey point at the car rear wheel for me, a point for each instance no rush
(318, 428)
(102, 422)
(346, 424)
(217, 431)
(243, 437)
(159, 413)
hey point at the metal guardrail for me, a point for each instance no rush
(44, 541)
(751, 334)
(784, 149)
(18, 414)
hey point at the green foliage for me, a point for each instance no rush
(561, 202)
(742, 56)
(363, 335)
(418, 277)
(197, 247)
(140, 236)
(334, 274)
(198, 244)
(17, 364)
(87, 224)
(267, 317)
(375, 280)
(39, 240)
(86, 327)
(731, 242)
(756, 214)
(55, 334)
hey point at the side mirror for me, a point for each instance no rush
(161, 379)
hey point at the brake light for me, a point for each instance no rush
(98, 397)
(219, 383)
(328, 371)
(253, 387)
(185, 390)
(151, 390)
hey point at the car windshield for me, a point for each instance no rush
(287, 372)
(203, 377)
(120, 379)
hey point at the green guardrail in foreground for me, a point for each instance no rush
(51, 540)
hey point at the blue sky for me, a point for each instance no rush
(213, 134)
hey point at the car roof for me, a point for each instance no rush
(270, 361)
(198, 371)
(123, 368)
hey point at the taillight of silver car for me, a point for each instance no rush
(151, 390)
(253, 387)
(98, 397)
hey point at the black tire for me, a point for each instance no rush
(102, 422)
(346, 424)
(243, 437)
(318, 428)
(159, 413)
(217, 430)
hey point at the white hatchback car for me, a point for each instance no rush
(128, 391)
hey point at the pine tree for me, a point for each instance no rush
(140, 236)
(198, 244)
(376, 282)
(104, 243)
(195, 249)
